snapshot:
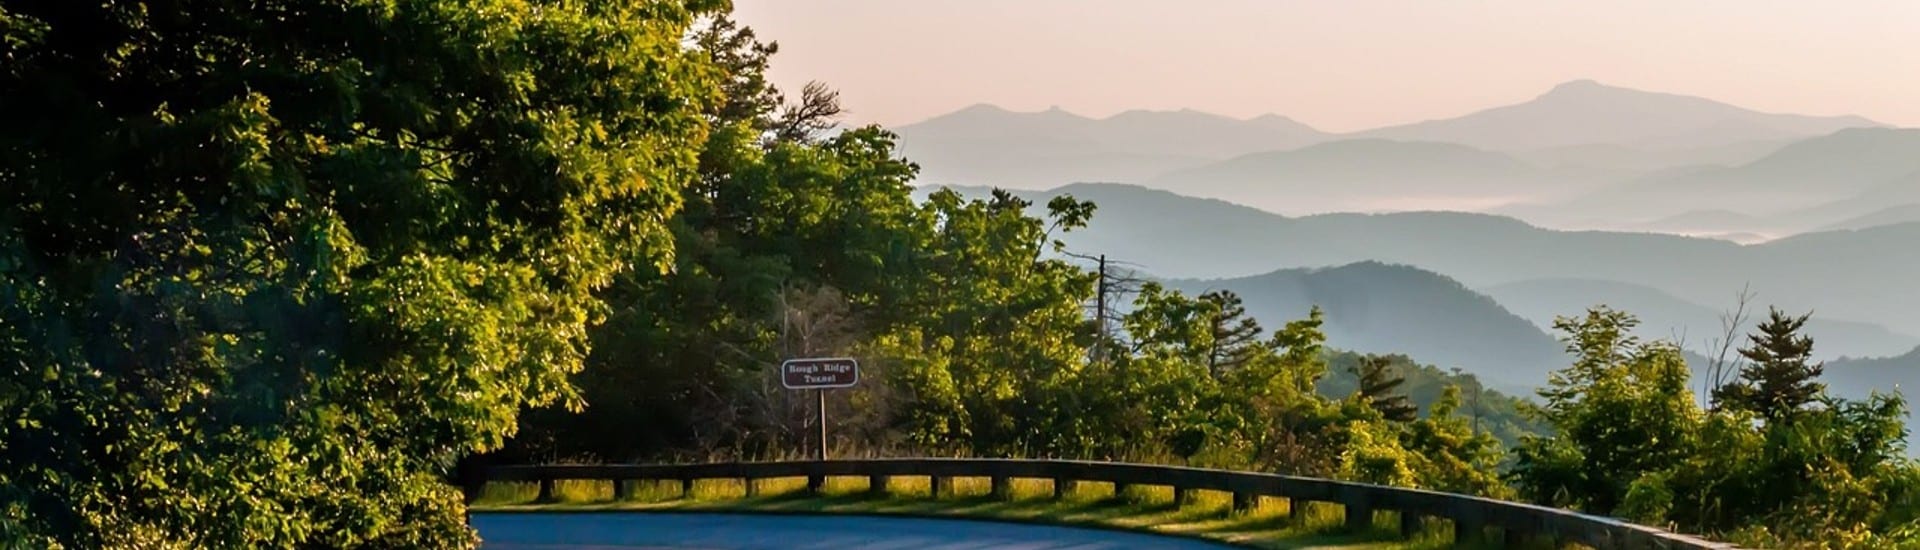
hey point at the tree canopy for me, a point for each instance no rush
(269, 274)
(268, 269)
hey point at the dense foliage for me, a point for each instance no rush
(267, 269)
(1779, 464)
(267, 274)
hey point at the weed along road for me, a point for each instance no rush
(704, 531)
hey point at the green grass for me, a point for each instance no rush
(1207, 514)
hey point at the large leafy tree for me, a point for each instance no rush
(268, 269)
(992, 337)
(1621, 411)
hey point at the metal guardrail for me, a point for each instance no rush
(1471, 516)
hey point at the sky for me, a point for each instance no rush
(1340, 65)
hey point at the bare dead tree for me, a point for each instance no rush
(1113, 285)
(1725, 363)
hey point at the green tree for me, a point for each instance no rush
(1234, 335)
(993, 338)
(1780, 378)
(1286, 425)
(1450, 455)
(1371, 450)
(268, 269)
(778, 209)
(1486, 410)
(1620, 412)
(1378, 387)
(1631, 442)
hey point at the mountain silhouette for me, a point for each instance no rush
(1369, 174)
(987, 145)
(1862, 275)
(1585, 112)
(1372, 307)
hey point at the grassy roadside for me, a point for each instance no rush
(1206, 515)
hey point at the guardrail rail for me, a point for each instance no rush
(1471, 516)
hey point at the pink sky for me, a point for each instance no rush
(1341, 65)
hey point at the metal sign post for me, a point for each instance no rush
(820, 374)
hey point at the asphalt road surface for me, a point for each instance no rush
(686, 531)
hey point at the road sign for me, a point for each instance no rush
(807, 374)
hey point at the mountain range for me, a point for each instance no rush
(1695, 326)
(1458, 241)
(987, 145)
(1582, 155)
(1500, 332)
(1377, 308)
(1863, 275)
(1772, 189)
(1376, 174)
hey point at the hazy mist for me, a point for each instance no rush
(1340, 66)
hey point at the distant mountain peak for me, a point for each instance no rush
(980, 108)
(1580, 85)
(1594, 90)
(1588, 112)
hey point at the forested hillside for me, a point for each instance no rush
(1697, 327)
(275, 276)
(1378, 308)
(1847, 275)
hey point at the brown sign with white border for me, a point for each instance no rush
(807, 374)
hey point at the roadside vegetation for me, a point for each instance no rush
(1207, 515)
(271, 275)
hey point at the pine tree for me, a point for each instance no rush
(1780, 378)
(1377, 386)
(1235, 335)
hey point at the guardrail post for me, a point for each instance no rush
(1359, 515)
(473, 482)
(1120, 490)
(622, 490)
(816, 484)
(753, 490)
(1182, 496)
(1512, 538)
(1243, 502)
(1409, 523)
(686, 488)
(1063, 487)
(1469, 532)
(1002, 487)
(939, 485)
(546, 491)
(877, 485)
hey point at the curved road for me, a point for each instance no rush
(690, 531)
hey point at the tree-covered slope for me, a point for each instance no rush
(1856, 275)
(1372, 307)
(1694, 325)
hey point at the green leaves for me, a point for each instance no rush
(271, 270)
(1623, 410)
(1632, 441)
